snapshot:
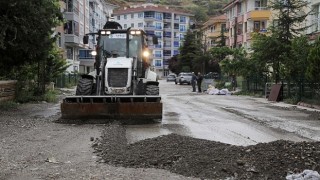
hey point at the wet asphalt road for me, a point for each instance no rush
(237, 120)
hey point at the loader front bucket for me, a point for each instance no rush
(104, 109)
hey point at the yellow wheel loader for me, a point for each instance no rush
(122, 86)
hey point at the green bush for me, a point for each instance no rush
(6, 105)
(50, 96)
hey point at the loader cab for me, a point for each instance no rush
(121, 43)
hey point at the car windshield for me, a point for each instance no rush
(186, 74)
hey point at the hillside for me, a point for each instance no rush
(201, 8)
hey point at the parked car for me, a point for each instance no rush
(184, 77)
(171, 77)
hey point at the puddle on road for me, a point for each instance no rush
(51, 111)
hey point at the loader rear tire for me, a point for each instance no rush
(84, 87)
(152, 90)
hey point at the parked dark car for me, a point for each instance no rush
(184, 77)
(171, 77)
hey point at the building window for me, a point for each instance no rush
(140, 24)
(158, 54)
(167, 34)
(245, 27)
(140, 15)
(118, 17)
(132, 16)
(125, 16)
(71, 27)
(85, 54)
(158, 63)
(158, 16)
(183, 19)
(69, 52)
(158, 34)
(158, 25)
(132, 24)
(181, 36)
(59, 42)
(176, 44)
(182, 28)
(176, 52)
(125, 26)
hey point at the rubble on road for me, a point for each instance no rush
(206, 159)
(214, 91)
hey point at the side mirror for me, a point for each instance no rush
(85, 39)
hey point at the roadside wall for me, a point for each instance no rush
(7, 90)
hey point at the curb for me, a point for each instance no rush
(308, 105)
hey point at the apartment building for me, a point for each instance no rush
(82, 17)
(244, 18)
(77, 25)
(211, 30)
(313, 20)
(99, 11)
(169, 25)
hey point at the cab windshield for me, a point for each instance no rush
(116, 44)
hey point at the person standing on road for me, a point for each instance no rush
(193, 82)
(199, 81)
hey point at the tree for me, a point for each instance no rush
(265, 55)
(289, 25)
(26, 35)
(233, 65)
(296, 68)
(174, 64)
(313, 60)
(190, 51)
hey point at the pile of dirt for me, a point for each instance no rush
(205, 159)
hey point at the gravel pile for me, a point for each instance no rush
(208, 159)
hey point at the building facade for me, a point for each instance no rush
(169, 25)
(213, 29)
(313, 20)
(244, 18)
(76, 26)
(82, 17)
(99, 11)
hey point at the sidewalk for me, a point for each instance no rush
(300, 105)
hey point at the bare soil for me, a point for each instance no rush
(32, 146)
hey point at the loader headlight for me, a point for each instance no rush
(105, 32)
(93, 53)
(135, 32)
(146, 53)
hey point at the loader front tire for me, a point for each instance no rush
(152, 90)
(84, 87)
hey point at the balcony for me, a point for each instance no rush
(167, 38)
(167, 19)
(71, 38)
(214, 34)
(167, 47)
(149, 18)
(71, 16)
(158, 46)
(149, 28)
(259, 14)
